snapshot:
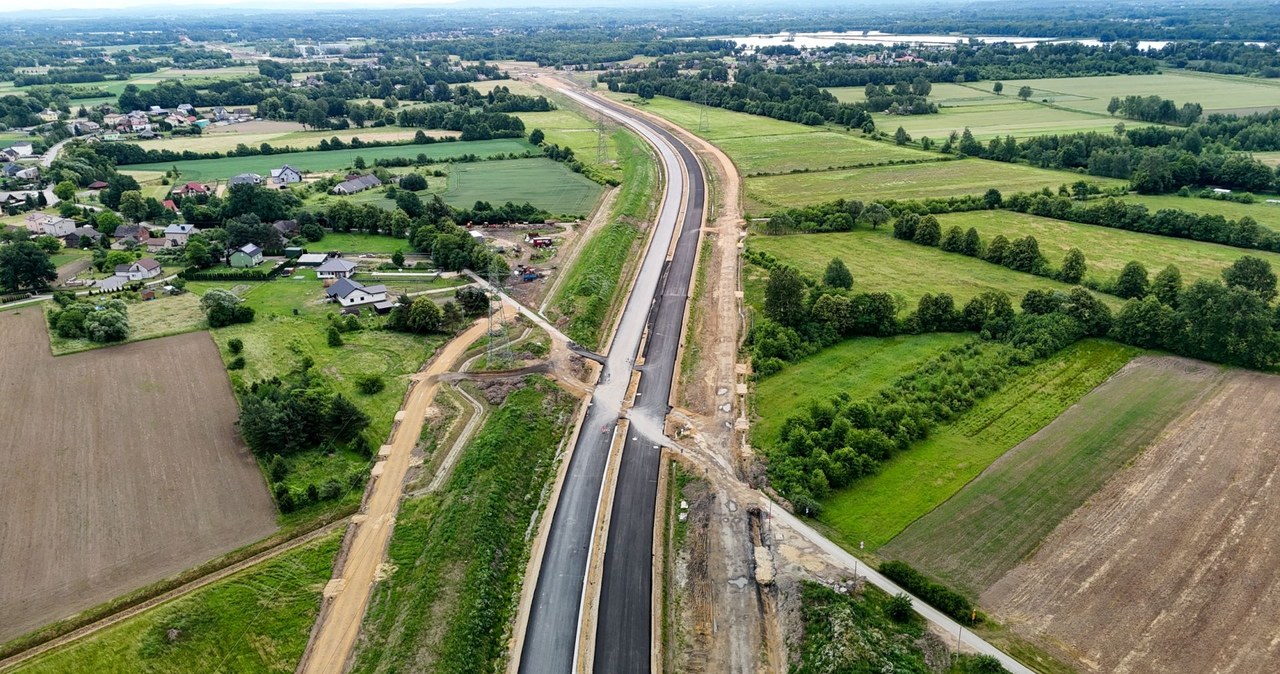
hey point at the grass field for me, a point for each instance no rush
(818, 150)
(859, 367)
(160, 317)
(721, 123)
(1107, 250)
(986, 114)
(913, 181)
(924, 476)
(355, 242)
(593, 285)
(994, 522)
(1267, 215)
(547, 184)
(1268, 158)
(1216, 93)
(317, 161)
(255, 621)
(457, 556)
(278, 134)
(881, 263)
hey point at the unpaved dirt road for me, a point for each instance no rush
(1174, 566)
(347, 594)
(122, 467)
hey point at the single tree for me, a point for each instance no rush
(901, 137)
(953, 240)
(1167, 286)
(133, 207)
(1252, 273)
(397, 258)
(972, 245)
(998, 87)
(1024, 93)
(1073, 267)
(1113, 106)
(837, 275)
(784, 296)
(1132, 281)
(928, 232)
(65, 190)
(875, 215)
(536, 136)
(23, 264)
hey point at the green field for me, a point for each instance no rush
(593, 286)
(457, 556)
(985, 114)
(258, 620)
(317, 161)
(1268, 158)
(920, 478)
(913, 181)
(1216, 93)
(1107, 250)
(881, 263)
(355, 243)
(547, 184)
(859, 367)
(1267, 215)
(997, 520)
(812, 151)
(278, 135)
(720, 124)
(160, 317)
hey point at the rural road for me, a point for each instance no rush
(51, 155)
(550, 643)
(347, 595)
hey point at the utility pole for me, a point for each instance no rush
(498, 349)
(602, 148)
(704, 122)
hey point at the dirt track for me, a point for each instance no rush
(122, 466)
(1174, 566)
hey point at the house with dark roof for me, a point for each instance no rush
(78, 235)
(245, 179)
(248, 255)
(98, 185)
(142, 269)
(335, 267)
(287, 228)
(179, 233)
(357, 184)
(349, 293)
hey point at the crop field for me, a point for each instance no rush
(1107, 250)
(255, 621)
(1268, 158)
(881, 263)
(1267, 215)
(859, 367)
(1216, 93)
(333, 160)
(912, 181)
(986, 114)
(278, 134)
(547, 184)
(919, 479)
(721, 123)
(992, 524)
(818, 150)
(1174, 565)
(130, 470)
(457, 556)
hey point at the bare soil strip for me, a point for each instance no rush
(123, 466)
(1174, 566)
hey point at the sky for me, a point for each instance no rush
(98, 6)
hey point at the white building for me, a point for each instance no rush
(142, 269)
(335, 268)
(351, 293)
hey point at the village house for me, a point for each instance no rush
(335, 268)
(78, 236)
(142, 269)
(245, 179)
(179, 233)
(126, 235)
(356, 184)
(51, 225)
(287, 228)
(157, 243)
(84, 127)
(285, 175)
(191, 189)
(23, 149)
(248, 255)
(349, 293)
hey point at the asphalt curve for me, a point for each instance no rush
(656, 303)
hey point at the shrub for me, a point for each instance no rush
(330, 490)
(335, 337)
(235, 345)
(937, 595)
(236, 363)
(370, 384)
(899, 608)
(277, 468)
(284, 498)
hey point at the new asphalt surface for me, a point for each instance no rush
(656, 303)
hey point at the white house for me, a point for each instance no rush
(285, 175)
(335, 268)
(142, 269)
(40, 223)
(357, 184)
(245, 179)
(350, 293)
(23, 149)
(179, 234)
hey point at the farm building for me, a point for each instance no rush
(142, 269)
(357, 184)
(312, 259)
(351, 293)
(285, 175)
(245, 179)
(248, 255)
(335, 268)
(179, 234)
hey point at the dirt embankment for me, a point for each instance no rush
(1174, 566)
(122, 467)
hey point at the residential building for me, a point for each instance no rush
(77, 236)
(287, 228)
(178, 234)
(335, 267)
(98, 185)
(24, 149)
(351, 293)
(191, 189)
(245, 179)
(357, 184)
(248, 255)
(285, 175)
(52, 225)
(142, 269)
(157, 243)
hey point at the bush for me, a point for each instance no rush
(330, 490)
(335, 337)
(284, 498)
(235, 345)
(899, 608)
(277, 469)
(236, 363)
(937, 595)
(370, 384)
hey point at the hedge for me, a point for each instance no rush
(936, 595)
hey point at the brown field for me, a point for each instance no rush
(1174, 565)
(122, 467)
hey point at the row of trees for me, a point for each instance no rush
(1155, 109)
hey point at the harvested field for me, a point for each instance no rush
(124, 466)
(1174, 565)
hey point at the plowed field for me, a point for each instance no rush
(121, 466)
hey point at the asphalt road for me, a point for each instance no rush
(550, 644)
